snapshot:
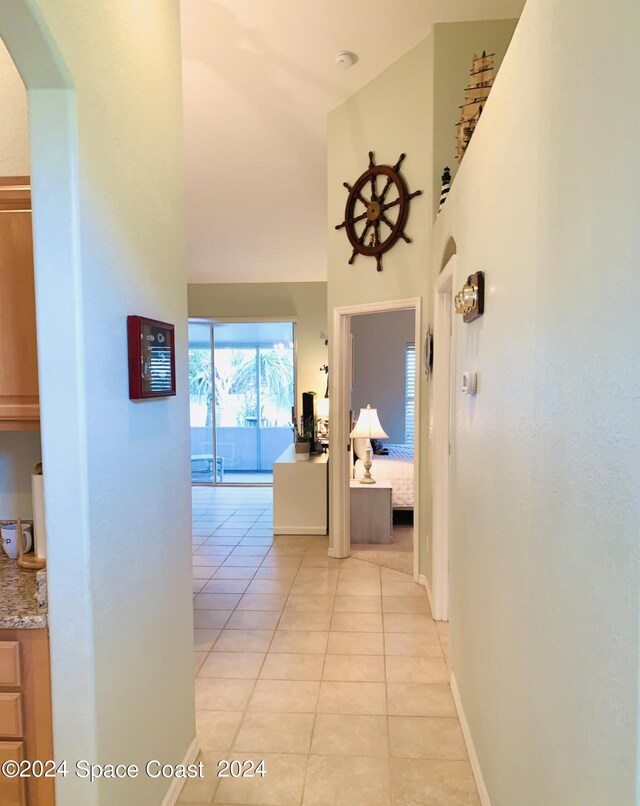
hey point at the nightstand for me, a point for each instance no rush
(371, 512)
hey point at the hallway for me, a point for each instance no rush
(332, 671)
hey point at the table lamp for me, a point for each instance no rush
(368, 426)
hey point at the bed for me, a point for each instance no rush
(396, 468)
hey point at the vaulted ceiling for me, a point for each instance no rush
(259, 80)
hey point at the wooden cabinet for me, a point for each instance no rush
(25, 713)
(19, 404)
(12, 790)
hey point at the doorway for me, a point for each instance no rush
(342, 424)
(443, 398)
(383, 376)
(242, 393)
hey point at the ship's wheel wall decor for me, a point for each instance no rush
(383, 193)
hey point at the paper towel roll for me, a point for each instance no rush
(39, 525)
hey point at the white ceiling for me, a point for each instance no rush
(259, 79)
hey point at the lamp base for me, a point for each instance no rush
(366, 479)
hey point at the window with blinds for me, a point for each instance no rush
(409, 393)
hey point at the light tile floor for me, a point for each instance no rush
(331, 671)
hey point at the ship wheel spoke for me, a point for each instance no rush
(364, 232)
(353, 221)
(389, 181)
(379, 262)
(385, 190)
(396, 202)
(391, 226)
(359, 195)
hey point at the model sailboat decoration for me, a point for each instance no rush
(475, 97)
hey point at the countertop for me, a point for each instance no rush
(289, 458)
(23, 596)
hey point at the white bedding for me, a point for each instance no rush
(396, 468)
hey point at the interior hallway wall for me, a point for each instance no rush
(106, 125)
(306, 303)
(379, 367)
(394, 114)
(545, 577)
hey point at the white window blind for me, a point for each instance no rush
(409, 393)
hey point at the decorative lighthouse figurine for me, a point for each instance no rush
(446, 186)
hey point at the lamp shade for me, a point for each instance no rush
(368, 425)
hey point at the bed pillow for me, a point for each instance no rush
(360, 447)
(378, 448)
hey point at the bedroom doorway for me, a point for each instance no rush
(375, 358)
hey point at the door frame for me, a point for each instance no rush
(341, 376)
(443, 406)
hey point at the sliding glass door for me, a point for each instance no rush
(242, 392)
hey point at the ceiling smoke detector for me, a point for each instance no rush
(345, 59)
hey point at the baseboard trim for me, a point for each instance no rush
(299, 530)
(173, 793)
(422, 579)
(483, 792)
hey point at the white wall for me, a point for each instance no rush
(105, 107)
(391, 115)
(545, 582)
(395, 113)
(14, 133)
(379, 366)
(19, 454)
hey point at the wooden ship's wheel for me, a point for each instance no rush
(375, 229)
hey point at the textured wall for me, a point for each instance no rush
(545, 582)
(105, 109)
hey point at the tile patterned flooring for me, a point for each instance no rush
(332, 671)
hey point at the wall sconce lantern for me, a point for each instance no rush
(470, 301)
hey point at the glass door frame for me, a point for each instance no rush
(242, 320)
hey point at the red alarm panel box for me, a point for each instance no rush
(152, 358)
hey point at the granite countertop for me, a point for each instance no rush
(23, 596)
